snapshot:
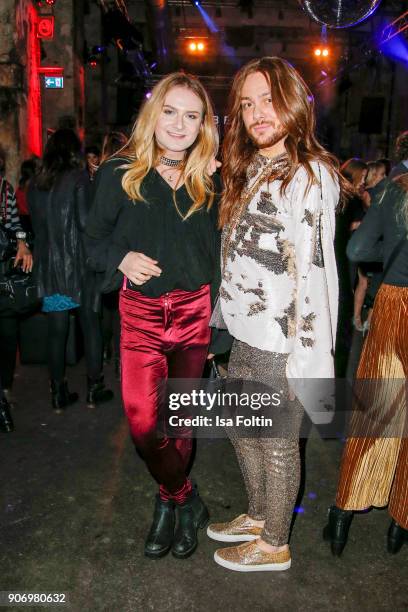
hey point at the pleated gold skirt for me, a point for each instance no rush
(374, 466)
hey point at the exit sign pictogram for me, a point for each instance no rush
(54, 82)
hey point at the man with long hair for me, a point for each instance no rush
(155, 229)
(279, 288)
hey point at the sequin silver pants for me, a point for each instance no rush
(270, 466)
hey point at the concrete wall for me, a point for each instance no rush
(27, 109)
(11, 89)
(66, 50)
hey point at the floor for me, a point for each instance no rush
(76, 503)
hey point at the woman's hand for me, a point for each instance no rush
(213, 166)
(139, 268)
(23, 257)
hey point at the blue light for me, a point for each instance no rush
(299, 510)
(396, 48)
(208, 21)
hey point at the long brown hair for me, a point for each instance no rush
(293, 104)
(144, 153)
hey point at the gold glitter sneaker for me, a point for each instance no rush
(248, 557)
(241, 529)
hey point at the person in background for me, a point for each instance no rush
(92, 159)
(375, 274)
(374, 466)
(401, 154)
(58, 203)
(370, 273)
(375, 174)
(9, 322)
(27, 170)
(355, 172)
(112, 143)
(387, 165)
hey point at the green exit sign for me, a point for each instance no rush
(53, 82)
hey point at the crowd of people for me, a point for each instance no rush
(279, 256)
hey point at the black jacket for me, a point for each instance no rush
(59, 218)
(398, 170)
(382, 236)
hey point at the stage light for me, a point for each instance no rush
(321, 52)
(196, 46)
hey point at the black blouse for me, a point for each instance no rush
(187, 251)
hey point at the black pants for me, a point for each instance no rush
(8, 349)
(111, 322)
(58, 327)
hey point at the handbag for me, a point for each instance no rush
(8, 243)
(18, 290)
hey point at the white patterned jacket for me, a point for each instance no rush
(279, 290)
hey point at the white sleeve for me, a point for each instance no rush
(310, 366)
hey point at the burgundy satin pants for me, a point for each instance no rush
(160, 338)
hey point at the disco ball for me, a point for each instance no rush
(339, 13)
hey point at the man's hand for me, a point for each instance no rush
(139, 268)
(23, 257)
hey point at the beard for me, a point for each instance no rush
(268, 140)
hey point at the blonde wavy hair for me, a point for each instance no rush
(144, 152)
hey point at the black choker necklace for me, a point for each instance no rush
(173, 163)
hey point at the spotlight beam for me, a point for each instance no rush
(394, 28)
(206, 18)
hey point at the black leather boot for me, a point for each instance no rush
(6, 422)
(61, 397)
(396, 537)
(160, 537)
(97, 392)
(336, 531)
(192, 515)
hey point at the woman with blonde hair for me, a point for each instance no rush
(153, 224)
